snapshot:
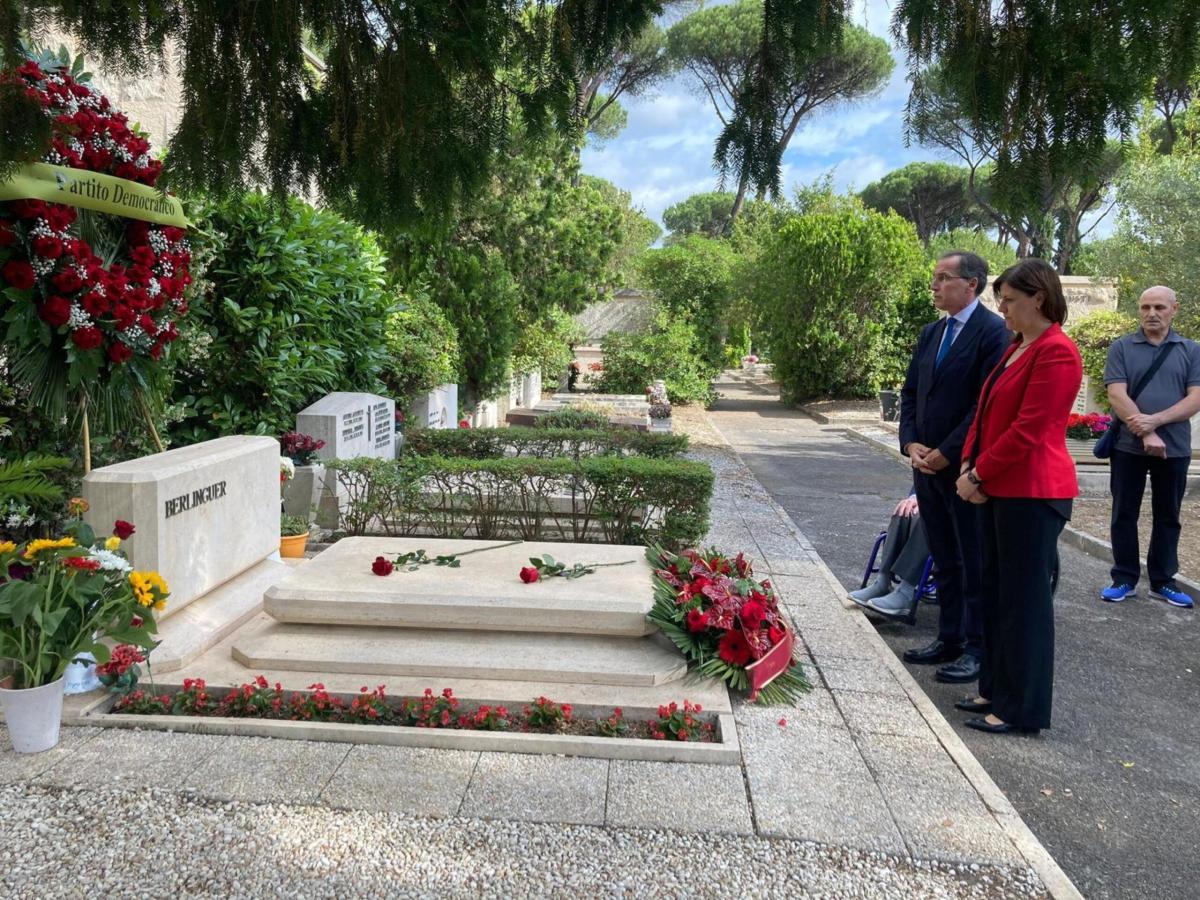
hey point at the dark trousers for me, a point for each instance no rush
(952, 527)
(905, 549)
(1020, 557)
(1127, 481)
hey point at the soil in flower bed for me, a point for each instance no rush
(262, 700)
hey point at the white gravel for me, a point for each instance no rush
(147, 843)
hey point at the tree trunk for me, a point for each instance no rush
(738, 202)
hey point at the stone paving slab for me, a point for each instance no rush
(261, 770)
(880, 714)
(680, 797)
(409, 780)
(831, 644)
(865, 675)
(16, 767)
(133, 759)
(538, 789)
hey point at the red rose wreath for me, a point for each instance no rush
(100, 293)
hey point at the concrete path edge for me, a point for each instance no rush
(1057, 882)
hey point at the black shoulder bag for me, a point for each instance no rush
(1104, 444)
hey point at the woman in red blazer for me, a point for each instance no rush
(1016, 465)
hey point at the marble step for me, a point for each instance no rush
(483, 594)
(441, 653)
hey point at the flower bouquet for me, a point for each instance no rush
(1087, 427)
(301, 449)
(726, 623)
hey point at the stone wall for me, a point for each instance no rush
(1084, 295)
(627, 311)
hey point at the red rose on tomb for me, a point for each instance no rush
(696, 620)
(67, 280)
(18, 273)
(529, 574)
(734, 649)
(48, 247)
(382, 566)
(122, 529)
(119, 353)
(55, 312)
(87, 338)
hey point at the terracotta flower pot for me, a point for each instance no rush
(292, 546)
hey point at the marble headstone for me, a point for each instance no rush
(437, 408)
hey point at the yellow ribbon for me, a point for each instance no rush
(91, 190)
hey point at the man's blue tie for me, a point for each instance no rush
(947, 340)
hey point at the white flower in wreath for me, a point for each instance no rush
(110, 561)
(287, 469)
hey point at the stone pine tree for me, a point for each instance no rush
(719, 47)
(414, 100)
(931, 195)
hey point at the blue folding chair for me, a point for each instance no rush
(925, 590)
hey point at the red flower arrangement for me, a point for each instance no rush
(1087, 427)
(725, 622)
(99, 314)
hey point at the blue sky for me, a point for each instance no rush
(665, 153)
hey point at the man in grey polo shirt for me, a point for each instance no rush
(1156, 440)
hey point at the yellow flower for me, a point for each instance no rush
(7, 546)
(144, 585)
(112, 543)
(36, 547)
(160, 605)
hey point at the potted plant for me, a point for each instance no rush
(293, 536)
(302, 489)
(61, 598)
(1082, 433)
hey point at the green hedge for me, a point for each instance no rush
(612, 500)
(542, 443)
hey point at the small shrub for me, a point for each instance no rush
(544, 345)
(543, 443)
(676, 724)
(573, 418)
(1093, 335)
(546, 715)
(632, 361)
(430, 711)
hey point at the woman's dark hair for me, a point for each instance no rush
(1032, 275)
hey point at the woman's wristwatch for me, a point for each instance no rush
(973, 478)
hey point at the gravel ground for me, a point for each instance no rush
(157, 844)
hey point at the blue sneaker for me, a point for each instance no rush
(1118, 592)
(1172, 594)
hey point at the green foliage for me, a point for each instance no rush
(636, 232)
(621, 500)
(28, 480)
(296, 307)
(1093, 335)
(999, 256)
(634, 361)
(931, 195)
(573, 418)
(421, 344)
(546, 345)
(403, 120)
(693, 279)
(707, 214)
(543, 443)
(828, 289)
(290, 526)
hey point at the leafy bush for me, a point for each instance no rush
(1093, 335)
(600, 499)
(827, 289)
(999, 257)
(693, 279)
(633, 361)
(542, 443)
(295, 305)
(545, 345)
(422, 346)
(573, 418)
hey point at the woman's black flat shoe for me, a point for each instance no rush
(974, 706)
(1001, 728)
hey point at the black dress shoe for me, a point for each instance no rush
(1002, 728)
(983, 707)
(962, 670)
(936, 652)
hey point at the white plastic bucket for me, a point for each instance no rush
(33, 716)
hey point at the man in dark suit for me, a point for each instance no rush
(953, 358)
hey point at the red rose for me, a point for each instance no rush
(30, 69)
(382, 566)
(18, 273)
(734, 649)
(148, 325)
(59, 216)
(143, 256)
(119, 352)
(696, 620)
(96, 304)
(55, 312)
(48, 247)
(173, 234)
(464, 423)
(29, 209)
(87, 338)
(122, 529)
(530, 574)
(67, 280)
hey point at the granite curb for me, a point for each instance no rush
(1056, 881)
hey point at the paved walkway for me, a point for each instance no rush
(1112, 790)
(860, 789)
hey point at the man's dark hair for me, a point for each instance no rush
(970, 265)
